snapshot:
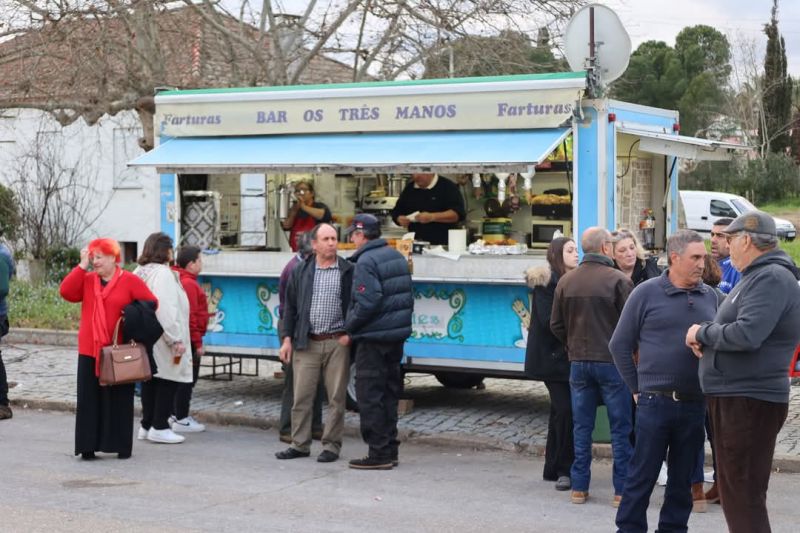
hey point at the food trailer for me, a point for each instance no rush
(530, 153)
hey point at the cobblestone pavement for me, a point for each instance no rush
(507, 414)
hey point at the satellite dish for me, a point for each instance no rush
(596, 40)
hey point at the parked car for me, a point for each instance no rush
(702, 208)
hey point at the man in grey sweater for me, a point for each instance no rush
(670, 411)
(744, 363)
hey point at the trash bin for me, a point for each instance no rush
(602, 429)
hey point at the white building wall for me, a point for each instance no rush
(125, 200)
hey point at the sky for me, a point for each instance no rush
(739, 20)
(662, 20)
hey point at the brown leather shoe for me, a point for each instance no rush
(579, 496)
(699, 504)
(5, 412)
(712, 496)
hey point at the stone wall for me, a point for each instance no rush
(634, 191)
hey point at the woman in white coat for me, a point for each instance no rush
(171, 354)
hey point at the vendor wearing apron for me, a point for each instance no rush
(305, 213)
(429, 206)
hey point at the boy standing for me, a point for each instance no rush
(189, 265)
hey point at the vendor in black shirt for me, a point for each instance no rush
(429, 206)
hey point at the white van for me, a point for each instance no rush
(702, 208)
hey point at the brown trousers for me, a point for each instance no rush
(745, 431)
(332, 360)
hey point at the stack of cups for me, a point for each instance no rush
(457, 240)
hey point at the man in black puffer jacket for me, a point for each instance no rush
(378, 321)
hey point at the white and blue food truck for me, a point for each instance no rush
(227, 160)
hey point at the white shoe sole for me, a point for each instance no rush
(141, 434)
(178, 428)
(170, 438)
(164, 441)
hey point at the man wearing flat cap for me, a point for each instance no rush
(744, 362)
(378, 321)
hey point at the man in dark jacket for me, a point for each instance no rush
(304, 251)
(744, 362)
(379, 322)
(314, 340)
(6, 270)
(586, 308)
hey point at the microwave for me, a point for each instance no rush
(542, 231)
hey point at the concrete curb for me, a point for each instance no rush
(53, 337)
(781, 463)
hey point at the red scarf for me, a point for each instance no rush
(100, 335)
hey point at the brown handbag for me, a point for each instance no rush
(125, 363)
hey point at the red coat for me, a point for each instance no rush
(198, 306)
(78, 286)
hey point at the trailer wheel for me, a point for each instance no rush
(459, 380)
(351, 402)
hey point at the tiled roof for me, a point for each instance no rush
(81, 62)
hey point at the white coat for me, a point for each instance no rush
(173, 315)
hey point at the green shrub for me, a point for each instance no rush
(60, 261)
(793, 249)
(775, 178)
(41, 306)
(9, 213)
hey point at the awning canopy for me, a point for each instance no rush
(660, 142)
(448, 151)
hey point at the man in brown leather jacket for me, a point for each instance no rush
(587, 305)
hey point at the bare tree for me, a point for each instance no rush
(57, 199)
(746, 96)
(86, 58)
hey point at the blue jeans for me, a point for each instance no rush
(662, 424)
(589, 381)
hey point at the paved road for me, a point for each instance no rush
(508, 414)
(227, 479)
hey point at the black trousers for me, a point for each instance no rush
(745, 431)
(3, 377)
(158, 400)
(104, 415)
(560, 449)
(379, 381)
(3, 382)
(183, 392)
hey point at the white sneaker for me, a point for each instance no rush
(142, 434)
(187, 425)
(708, 477)
(164, 436)
(662, 476)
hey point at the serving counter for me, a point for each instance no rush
(471, 313)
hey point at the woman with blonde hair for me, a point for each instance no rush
(629, 256)
(104, 414)
(172, 358)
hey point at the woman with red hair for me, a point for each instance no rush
(104, 415)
